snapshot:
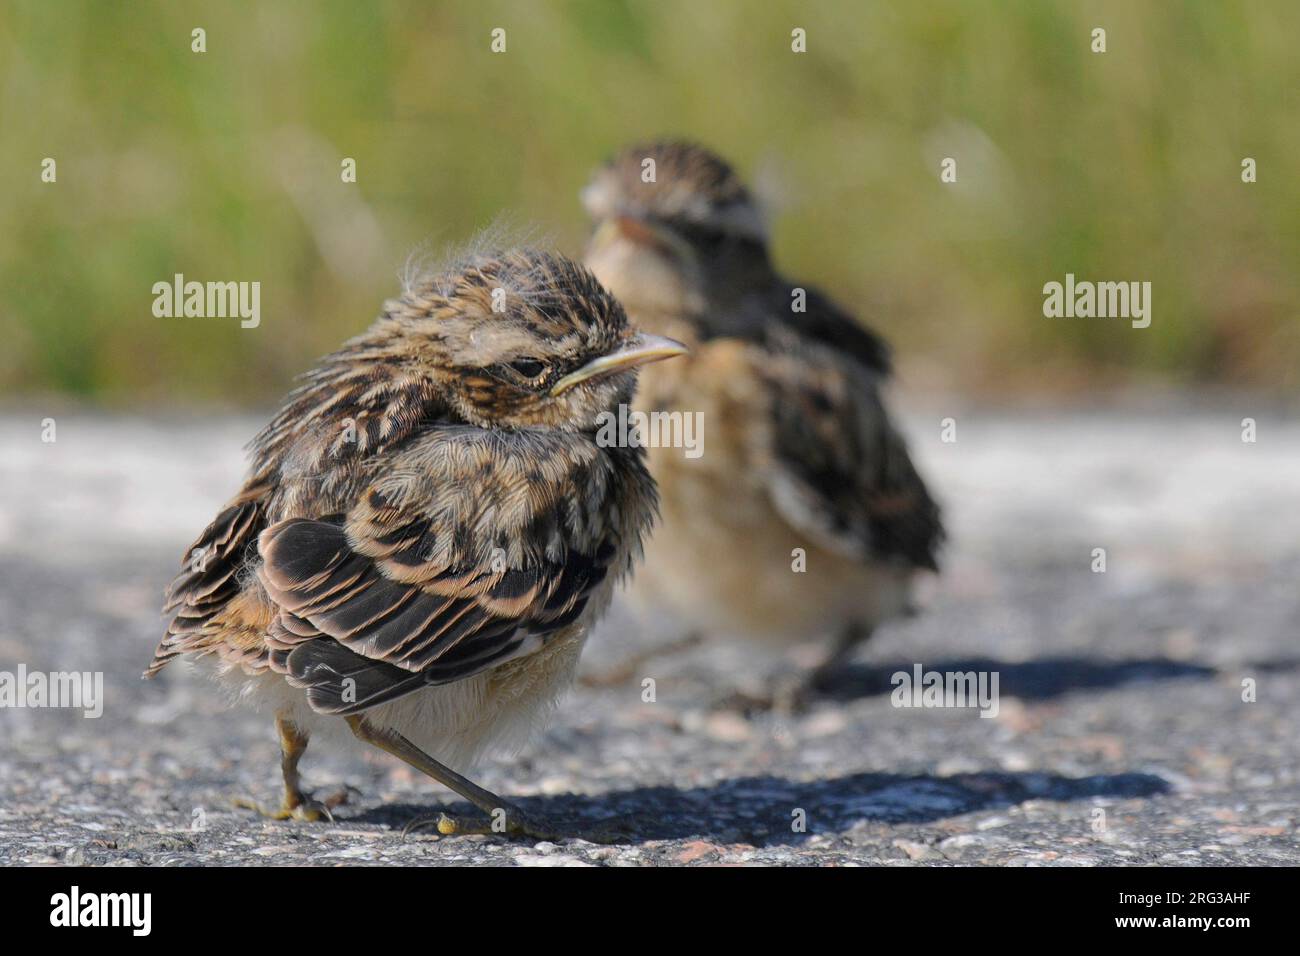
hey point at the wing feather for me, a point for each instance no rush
(837, 467)
(407, 589)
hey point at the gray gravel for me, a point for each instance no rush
(1122, 735)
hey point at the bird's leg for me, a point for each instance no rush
(854, 634)
(788, 695)
(296, 805)
(793, 697)
(628, 669)
(293, 744)
(503, 818)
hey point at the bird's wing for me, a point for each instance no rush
(210, 575)
(816, 319)
(342, 412)
(472, 548)
(834, 465)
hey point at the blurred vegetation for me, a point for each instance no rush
(225, 166)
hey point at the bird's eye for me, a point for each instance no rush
(528, 367)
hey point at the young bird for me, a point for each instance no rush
(429, 527)
(799, 457)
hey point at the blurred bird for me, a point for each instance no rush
(430, 528)
(800, 459)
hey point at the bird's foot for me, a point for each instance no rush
(299, 806)
(444, 824)
(504, 821)
(793, 697)
(786, 697)
(308, 811)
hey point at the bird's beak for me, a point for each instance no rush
(641, 349)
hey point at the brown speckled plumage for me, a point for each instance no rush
(800, 452)
(426, 508)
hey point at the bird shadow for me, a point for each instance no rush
(769, 810)
(1040, 679)
(762, 810)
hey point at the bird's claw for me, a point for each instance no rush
(303, 809)
(791, 697)
(505, 821)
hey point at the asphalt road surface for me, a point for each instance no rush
(1145, 714)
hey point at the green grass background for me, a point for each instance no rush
(225, 166)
